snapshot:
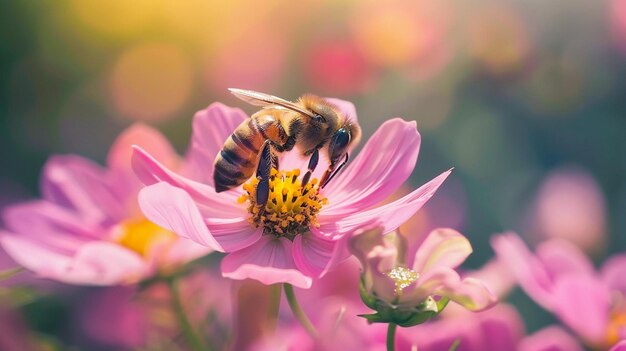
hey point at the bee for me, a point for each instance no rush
(311, 123)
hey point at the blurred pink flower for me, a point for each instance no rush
(620, 346)
(618, 18)
(571, 205)
(560, 278)
(333, 307)
(498, 329)
(194, 210)
(407, 279)
(550, 339)
(338, 67)
(87, 228)
(337, 323)
(127, 317)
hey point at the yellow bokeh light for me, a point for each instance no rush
(151, 81)
(114, 17)
(498, 39)
(388, 34)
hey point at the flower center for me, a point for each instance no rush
(290, 209)
(403, 277)
(617, 322)
(141, 236)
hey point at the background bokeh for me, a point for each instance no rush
(526, 99)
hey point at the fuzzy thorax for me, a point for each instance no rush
(291, 208)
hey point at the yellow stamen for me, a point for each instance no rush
(616, 323)
(142, 236)
(403, 277)
(290, 209)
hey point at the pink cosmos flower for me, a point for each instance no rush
(87, 227)
(620, 346)
(192, 208)
(560, 278)
(570, 205)
(333, 306)
(408, 279)
(127, 317)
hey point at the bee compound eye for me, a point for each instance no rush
(339, 143)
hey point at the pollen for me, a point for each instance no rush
(403, 277)
(142, 236)
(291, 208)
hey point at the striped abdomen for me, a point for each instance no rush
(238, 159)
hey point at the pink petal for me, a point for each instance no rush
(377, 256)
(470, 293)
(148, 138)
(80, 184)
(443, 247)
(613, 273)
(385, 162)
(525, 267)
(583, 304)
(223, 205)
(620, 346)
(269, 261)
(211, 127)
(233, 234)
(183, 251)
(173, 209)
(391, 215)
(427, 284)
(550, 339)
(496, 276)
(32, 255)
(560, 257)
(95, 263)
(104, 263)
(346, 107)
(339, 255)
(312, 254)
(52, 226)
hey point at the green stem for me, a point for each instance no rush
(274, 306)
(391, 337)
(194, 341)
(298, 312)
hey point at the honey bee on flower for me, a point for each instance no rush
(300, 232)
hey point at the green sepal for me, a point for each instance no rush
(442, 303)
(369, 300)
(416, 318)
(374, 318)
(404, 317)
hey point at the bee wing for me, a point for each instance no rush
(265, 100)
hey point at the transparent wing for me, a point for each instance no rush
(265, 100)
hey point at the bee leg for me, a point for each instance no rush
(263, 174)
(315, 157)
(274, 161)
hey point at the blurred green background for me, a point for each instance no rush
(526, 99)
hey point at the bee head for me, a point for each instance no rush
(346, 136)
